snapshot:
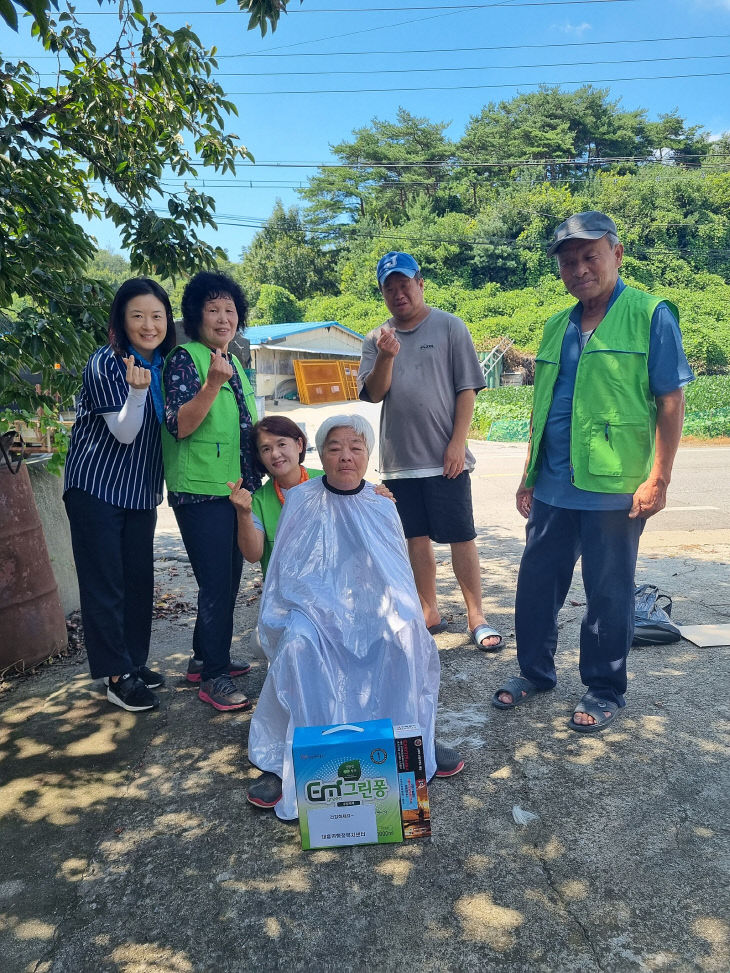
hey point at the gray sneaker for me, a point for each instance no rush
(236, 667)
(266, 791)
(222, 694)
(448, 761)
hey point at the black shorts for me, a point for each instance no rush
(435, 507)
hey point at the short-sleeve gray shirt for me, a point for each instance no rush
(436, 361)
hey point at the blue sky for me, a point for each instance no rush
(286, 116)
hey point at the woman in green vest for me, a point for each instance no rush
(206, 442)
(281, 447)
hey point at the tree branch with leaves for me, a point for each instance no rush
(99, 143)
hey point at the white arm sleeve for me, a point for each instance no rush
(125, 424)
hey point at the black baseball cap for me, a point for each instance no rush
(582, 226)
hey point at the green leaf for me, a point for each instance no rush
(9, 14)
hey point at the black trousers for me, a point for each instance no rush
(209, 533)
(608, 543)
(115, 567)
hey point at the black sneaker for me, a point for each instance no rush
(266, 791)
(131, 694)
(448, 761)
(222, 694)
(235, 668)
(151, 679)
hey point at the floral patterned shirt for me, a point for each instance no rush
(182, 383)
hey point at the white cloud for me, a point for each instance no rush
(577, 30)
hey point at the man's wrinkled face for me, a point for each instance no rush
(404, 297)
(589, 268)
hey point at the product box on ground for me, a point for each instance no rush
(347, 784)
(412, 784)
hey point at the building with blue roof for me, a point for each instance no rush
(274, 347)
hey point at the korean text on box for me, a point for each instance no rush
(347, 784)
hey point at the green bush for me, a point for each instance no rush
(708, 392)
(512, 402)
(502, 414)
(707, 425)
(509, 431)
(275, 305)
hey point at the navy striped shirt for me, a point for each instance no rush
(128, 476)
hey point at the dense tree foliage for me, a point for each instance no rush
(97, 142)
(479, 210)
(477, 213)
(275, 305)
(283, 253)
(383, 169)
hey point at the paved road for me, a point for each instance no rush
(699, 494)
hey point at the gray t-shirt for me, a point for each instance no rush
(436, 361)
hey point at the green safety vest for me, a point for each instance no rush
(267, 508)
(614, 413)
(208, 458)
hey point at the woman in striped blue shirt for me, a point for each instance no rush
(112, 486)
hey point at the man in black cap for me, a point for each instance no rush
(606, 423)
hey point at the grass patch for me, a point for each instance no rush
(501, 414)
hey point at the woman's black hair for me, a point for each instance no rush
(278, 426)
(207, 286)
(135, 288)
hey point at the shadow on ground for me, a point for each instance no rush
(129, 845)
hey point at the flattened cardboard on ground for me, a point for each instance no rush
(706, 636)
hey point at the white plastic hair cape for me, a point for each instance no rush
(341, 626)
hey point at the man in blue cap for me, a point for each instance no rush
(421, 364)
(607, 418)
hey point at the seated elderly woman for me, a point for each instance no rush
(340, 620)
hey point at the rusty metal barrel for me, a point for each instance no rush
(32, 623)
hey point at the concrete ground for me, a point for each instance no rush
(128, 844)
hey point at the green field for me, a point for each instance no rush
(503, 414)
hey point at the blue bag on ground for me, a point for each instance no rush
(652, 625)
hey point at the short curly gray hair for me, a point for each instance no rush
(357, 423)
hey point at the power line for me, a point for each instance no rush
(482, 67)
(486, 164)
(480, 87)
(256, 222)
(464, 50)
(369, 30)
(243, 182)
(463, 68)
(440, 50)
(459, 8)
(354, 229)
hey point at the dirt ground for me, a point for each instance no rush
(128, 843)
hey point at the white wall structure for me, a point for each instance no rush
(274, 348)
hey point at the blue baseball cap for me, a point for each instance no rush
(396, 262)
